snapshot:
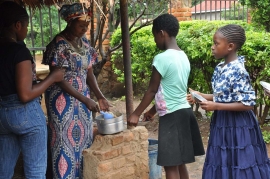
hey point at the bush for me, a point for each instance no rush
(195, 38)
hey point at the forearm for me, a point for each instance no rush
(29, 94)
(64, 85)
(208, 97)
(147, 99)
(92, 83)
(237, 106)
(153, 110)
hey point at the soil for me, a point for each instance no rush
(119, 105)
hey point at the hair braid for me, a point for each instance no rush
(234, 34)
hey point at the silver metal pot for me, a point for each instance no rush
(109, 126)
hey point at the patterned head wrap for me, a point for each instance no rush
(69, 12)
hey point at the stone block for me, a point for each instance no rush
(130, 158)
(128, 136)
(144, 145)
(105, 167)
(107, 155)
(119, 163)
(126, 150)
(128, 170)
(144, 136)
(117, 139)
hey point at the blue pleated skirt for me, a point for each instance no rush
(236, 149)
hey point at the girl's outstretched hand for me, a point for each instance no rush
(190, 98)
(133, 120)
(208, 105)
(148, 116)
(266, 92)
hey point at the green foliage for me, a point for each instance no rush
(195, 38)
(46, 32)
(154, 7)
(142, 53)
(266, 136)
(238, 12)
(260, 12)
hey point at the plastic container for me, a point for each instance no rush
(155, 171)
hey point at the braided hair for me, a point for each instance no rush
(168, 23)
(10, 13)
(234, 34)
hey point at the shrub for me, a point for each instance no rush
(195, 38)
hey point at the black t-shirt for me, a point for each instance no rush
(10, 55)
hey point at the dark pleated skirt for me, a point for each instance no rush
(179, 138)
(236, 149)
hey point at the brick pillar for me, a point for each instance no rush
(249, 16)
(181, 9)
(119, 156)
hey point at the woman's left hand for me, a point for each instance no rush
(208, 105)
(103, 104)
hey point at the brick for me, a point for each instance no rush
(126, 150)
(183, 9)
(128, 137)
(144, 136)
(144, 175)
(182, 18)
(105, 167)
(116, 175)
(117, 139)
(129, 170)
(107, 155)
(179, 14)
(144, 145)
(187, 14)
(119, 163)
(130, 158)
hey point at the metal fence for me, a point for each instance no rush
(219, 10)
(46, 23)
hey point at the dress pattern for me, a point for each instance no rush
(69, 120)
(236, 149)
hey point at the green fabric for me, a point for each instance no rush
(174, 67)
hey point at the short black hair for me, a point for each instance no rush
(11, 12)
(168, 23)
(234, 34)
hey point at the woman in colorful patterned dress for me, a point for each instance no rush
(68, 103)
(236, 149)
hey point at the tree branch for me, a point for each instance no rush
(134, 22)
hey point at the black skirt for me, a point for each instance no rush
(179, 138)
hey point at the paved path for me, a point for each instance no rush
(194, 169)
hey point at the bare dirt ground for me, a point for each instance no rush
(119, 105)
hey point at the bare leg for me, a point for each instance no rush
(183, 172)
(172, 172)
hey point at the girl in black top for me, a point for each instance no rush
(22, 121)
